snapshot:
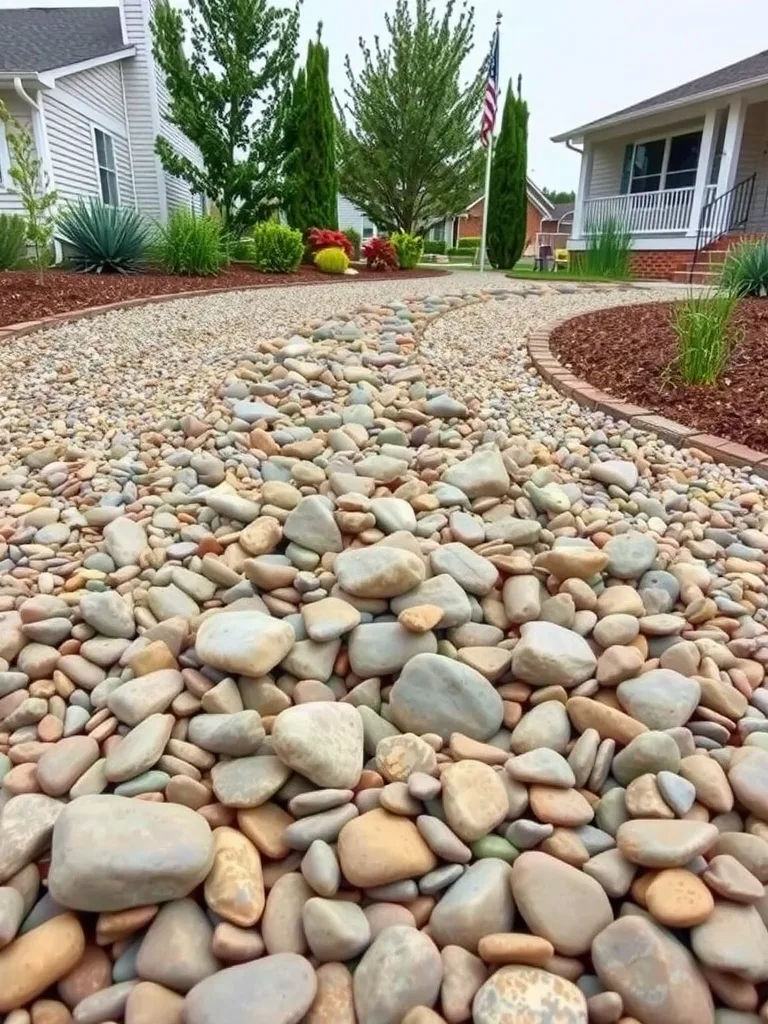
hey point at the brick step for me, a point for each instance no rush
(711, 277)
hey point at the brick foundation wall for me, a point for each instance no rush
(659, 264)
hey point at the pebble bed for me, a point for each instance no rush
(348, 673)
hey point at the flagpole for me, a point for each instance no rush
(488, 176)
(485, 203)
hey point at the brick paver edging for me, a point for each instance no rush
(720, 449)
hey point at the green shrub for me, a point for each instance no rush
(13, 232)
(332, 261)
(433, 248)
(745, 271)
(706, 335)
(191, 245)
(608, 250)
(408, 248)
(466, 254)
(355, 238)
(277, 249)
(470, 242)
(241, 249)
(104, 239)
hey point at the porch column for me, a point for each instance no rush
(734, 130)
(582, 193)
(703, 168)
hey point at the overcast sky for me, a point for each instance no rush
(579, 59)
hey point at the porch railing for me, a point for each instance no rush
(723, 214)
(644, 212)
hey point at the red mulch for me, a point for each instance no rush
(626, 351)
(22, 298)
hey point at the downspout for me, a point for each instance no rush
(41, 142)
(574, 149)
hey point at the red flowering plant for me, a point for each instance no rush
(380, 254)
(326, 238)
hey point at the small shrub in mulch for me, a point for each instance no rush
(627, 351)
(22, 298)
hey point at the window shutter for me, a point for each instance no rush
(626, 170)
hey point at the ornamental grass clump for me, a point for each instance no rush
(191, 246)
(13, 233)
(608, 250)
(103, 239)
(706, 336)
(745, 271)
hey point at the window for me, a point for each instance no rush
(107, 169)
(367, 231)
(664, 163)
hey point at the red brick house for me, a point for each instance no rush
(469, 223)
(684, 172)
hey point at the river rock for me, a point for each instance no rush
(278, 989)
(378, 572)
(384, 992)
(244, 642)
(660, 699)
(321, 741)
(528, 994)
(549, 655)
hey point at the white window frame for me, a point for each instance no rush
(667, 140)
(110, 170)
(5, 162)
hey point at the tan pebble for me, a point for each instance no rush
(264, 826)
(121, 924)
(91, 974)
(515, 948)
(420, 618)
(149, 1003)
(37, 959)
(236, 945)
(183, 790)
(152, 658)
(47, 1011)
(50, 729)
(377, 848)
(334, 1002)
(422, 1015)
(643, 799)
(384, 915)
(234, 888)
(679, 899)
(565, 844)
(22, 779)
(281, 926)
(555, 806)
(465, 748)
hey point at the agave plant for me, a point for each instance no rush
(104, 239)
(745, 271)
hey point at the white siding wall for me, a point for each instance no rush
(178, 191)
(753, 159)
(98, 87)
(351, 216)
(70, 140)
(140, 96)
(9, 201)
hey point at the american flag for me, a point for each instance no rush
(491, 92)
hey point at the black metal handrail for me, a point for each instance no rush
(723, 214)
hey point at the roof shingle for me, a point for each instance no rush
(39, 39)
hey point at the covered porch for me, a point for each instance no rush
(678, 184)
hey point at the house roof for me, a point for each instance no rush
(559, 210)
(748, 72)
(41, 39)
(534, 194)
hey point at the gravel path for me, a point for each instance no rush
(118, 376)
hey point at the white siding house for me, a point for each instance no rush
(82, 76)
(351, 216)
(682, 172)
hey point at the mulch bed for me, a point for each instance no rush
(22, 298)
(627, 350)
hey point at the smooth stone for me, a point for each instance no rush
(383, 648)
(733, 938)
(26, 827)
(109, 614)
(321, 741)
(39, 958)
(664, 844)
(542, 766)
(248, 781)
(549, 655)
(278, 989)
(656, 977)
(437, 694)
(320, 868)
(378, 572)
(148, 1003)
(238, 734)
(147, 695)
(111, 853)
(244, 642)
(384, 992)
(679, 899)
(463, 974)
(749, 781)
(660, 699)
(234, 888)
(441, 592)
(176, 950)
(630, 554)
(559, 902)
(334, 1002)
(530, 994)
(475, 574)
(312, 525)
(124, 541)
(477, 904)
(139, 751)
(377, 848)
(481, 475)
(329, 618)
(474, 799)
(546, 725)
(650, 752)
(335, 930)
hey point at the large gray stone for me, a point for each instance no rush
(481, 475)
(442, 591)
(630, 554)
(660, 699)
(322, 741)
(247, 643)
(477, 904)
(378, 572)
(550, 655)
(311, 524)
(438, 694)
(384, 988)
(277, 989)
(382, 648)
(26, 825)
(110, 853)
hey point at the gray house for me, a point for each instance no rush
(82, 77)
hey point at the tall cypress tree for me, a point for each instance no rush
(311, 161)
(507, 199)
(292, 175)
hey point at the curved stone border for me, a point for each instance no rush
(57, 319)
(719, 449)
